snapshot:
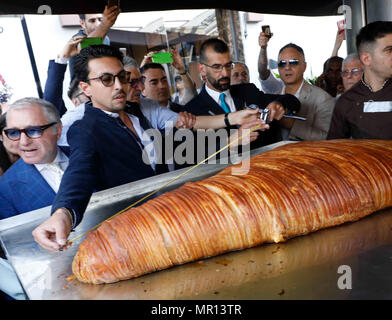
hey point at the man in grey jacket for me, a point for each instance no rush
(316, 104)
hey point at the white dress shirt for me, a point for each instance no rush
(216, 94)
(147, 143)
(50, 176)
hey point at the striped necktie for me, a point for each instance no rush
(224, 105)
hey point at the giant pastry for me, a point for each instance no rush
(289, 191)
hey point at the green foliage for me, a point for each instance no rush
(312, 81)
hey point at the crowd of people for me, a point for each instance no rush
(56, 155)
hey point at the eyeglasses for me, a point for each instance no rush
(354, 72)
(108, 79)
(219, 67)
(135, 82)
(33, 132)
(291, 62)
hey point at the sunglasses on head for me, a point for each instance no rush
(291, 62)
(108, 79)
(32, 132)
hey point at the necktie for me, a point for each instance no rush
(224, 105)
(58, 173)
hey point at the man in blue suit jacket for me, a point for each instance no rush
(31, 183)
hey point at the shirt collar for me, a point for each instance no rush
(60, 158)
(298, 91)
(111, 114)
(216, 94)
(369, 87)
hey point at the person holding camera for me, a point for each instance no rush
(316, 104)
(156, 83)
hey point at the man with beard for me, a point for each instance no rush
(219, 97)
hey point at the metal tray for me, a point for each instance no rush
(305, 267)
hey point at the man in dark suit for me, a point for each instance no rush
(218, 96)
(107, 144)
(32, 182)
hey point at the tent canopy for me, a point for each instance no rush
(297, 7)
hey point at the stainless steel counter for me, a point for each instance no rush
(305, 267)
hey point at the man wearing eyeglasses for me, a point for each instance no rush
(218, 96)
(96, 25)
(32, 182)
(316, 104)
(365, 111)
(351, 71)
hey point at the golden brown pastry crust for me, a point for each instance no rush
(289, 191)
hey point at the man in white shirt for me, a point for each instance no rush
(33, 181)
(316, 105)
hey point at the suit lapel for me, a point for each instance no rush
(33, 187)
(212, 107)
(238, 101)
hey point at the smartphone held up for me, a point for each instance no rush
(112, 3)
(267, 30)
(162, 57)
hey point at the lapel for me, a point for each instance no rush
(304, 96)
(215, 108)
(211, 107)
(32, 186)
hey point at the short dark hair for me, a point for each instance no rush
(151, 66)
(371, 32)
(82, 59)
(294, 46)
(216, 44)
(332, 59)
(82, 16)
(74, 88)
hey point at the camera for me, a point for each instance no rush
(267, 31)
(264, 113)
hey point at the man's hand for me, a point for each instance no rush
(276, 109)
(243, 116)
(72, 48)
(263, 40)
(147, 58)
(185, 120)
(53, 233)
(110, 15)
(242, 136)
(177, 61)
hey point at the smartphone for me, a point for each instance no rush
(86, 42)
(341, 27)
(112, 3)
(162, 57)
(266, 30)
